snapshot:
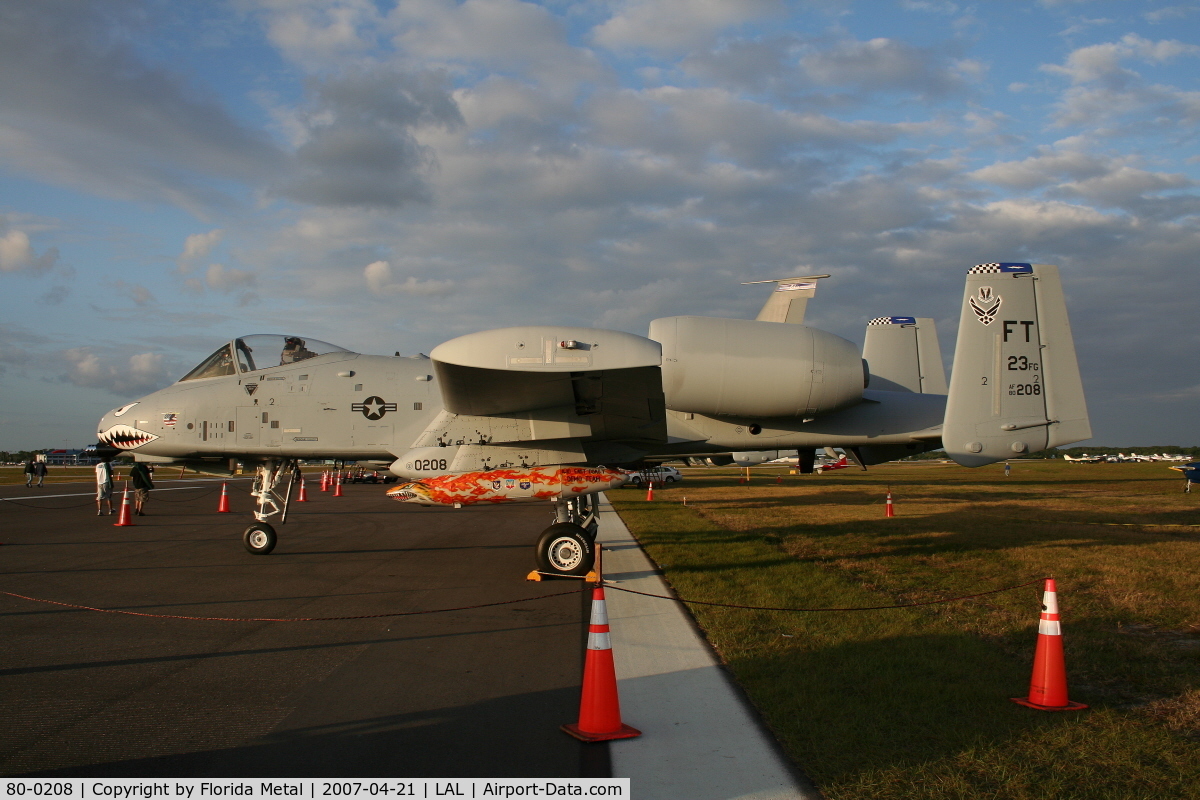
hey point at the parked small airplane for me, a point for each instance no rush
(1191, 474)
(1084, 459)
(552, 413)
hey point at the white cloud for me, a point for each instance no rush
(197, 247)
(83, 109)
(1103, 90)
(359, 145)
(320, 33)
(677, 24)
(225, 279)
(142, 372)
(17, 254)
(378, 275)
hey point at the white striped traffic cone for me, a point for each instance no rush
(1048, 685)
(599, 706)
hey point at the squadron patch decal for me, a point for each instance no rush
(373, 407)
(987, 306)
(251, 388)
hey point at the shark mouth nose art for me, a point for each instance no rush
(125, 437)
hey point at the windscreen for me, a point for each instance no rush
(266, 350)
(218, 364)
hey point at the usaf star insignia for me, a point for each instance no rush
(373, 407)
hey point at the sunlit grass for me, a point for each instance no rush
(914, 702)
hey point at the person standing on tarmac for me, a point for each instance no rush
(139, 476)
(28, 473)
(104, 485)
(40, 469)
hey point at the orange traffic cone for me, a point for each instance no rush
(303, 498)
(779, 479)
(599, 706)
(126, 515)
(223, 504)
(337, 486)
(889, 510)
(649, 491)
(1048, 686)
(325, 481)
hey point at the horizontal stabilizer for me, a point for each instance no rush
(789, 300)
(1015, 386)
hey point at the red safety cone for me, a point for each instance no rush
(599, 706)
(223, 504)
(303, 498)
(325, 481)
(337, 486)
(779, 479)
(1048, 686)
(126, 516)
(889, 510)
(649, 491)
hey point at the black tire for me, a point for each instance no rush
(636, 480)
(259, 538)
(565, 549)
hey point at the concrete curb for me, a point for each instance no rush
(700, 738)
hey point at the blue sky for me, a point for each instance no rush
(388, 175)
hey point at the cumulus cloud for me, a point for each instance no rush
(17, 254)
(82, 108)
(359, 147)
(320, 33)
(378, 275)
(1104, 90)
(142, 372)
(196, 248)
(676, 24)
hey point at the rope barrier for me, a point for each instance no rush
(860, 608)
(286, 619)
(510, 602)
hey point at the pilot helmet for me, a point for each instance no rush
(294, 341)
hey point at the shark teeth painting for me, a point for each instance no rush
(125, 437)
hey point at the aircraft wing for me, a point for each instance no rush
(606, 385)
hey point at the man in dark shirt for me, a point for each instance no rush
(139, 476)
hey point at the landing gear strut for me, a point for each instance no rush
(568, 547)
(273, 499)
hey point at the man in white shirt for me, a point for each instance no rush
(104, 485)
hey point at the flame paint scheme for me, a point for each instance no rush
(508, 485)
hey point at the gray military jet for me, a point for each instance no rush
(553, 413)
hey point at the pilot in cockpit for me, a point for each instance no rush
(294, 350)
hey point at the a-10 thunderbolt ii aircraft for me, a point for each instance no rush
(551, 413)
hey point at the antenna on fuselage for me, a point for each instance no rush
(788, 301)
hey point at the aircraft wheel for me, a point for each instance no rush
(565, 549)
(259, 538)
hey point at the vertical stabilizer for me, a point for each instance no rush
(789, 300)
(903, 353)
(1015, 386)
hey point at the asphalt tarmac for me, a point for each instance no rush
(478, 692)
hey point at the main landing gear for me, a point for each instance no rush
(273, 488)
(568, 547)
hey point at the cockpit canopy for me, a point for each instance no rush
(258, 352)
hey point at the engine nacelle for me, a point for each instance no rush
(747, 368)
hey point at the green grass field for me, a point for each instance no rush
(913, 702)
